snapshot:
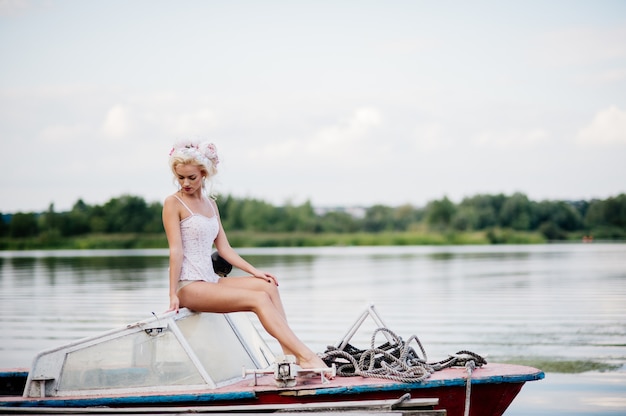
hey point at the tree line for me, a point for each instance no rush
(555, 220)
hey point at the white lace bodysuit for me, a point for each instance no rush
(198, 232)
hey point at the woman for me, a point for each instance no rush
(192, 225)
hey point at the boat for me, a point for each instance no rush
(187, 361)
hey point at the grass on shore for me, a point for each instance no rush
(550, 365)
(293, 239)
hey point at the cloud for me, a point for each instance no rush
(430, 136)
(63, 133)
(347, 133)
(511, 139)
(581, 46)
(14, 7)
(408, 46)
(607, 127)
(197, 120)
(167, 114)
(118, 122)
(603, 77)
(348, 141)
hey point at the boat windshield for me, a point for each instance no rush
(168, 352)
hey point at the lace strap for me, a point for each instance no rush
(185, 205)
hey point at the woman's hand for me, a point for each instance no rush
(268, 277)
(174, 303)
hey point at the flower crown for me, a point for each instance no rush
(204, 153)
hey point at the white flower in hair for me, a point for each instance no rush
(203, 152)
(209, 151)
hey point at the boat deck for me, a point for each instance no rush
(506, 379)
(219, 363)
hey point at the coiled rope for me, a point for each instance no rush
(397, 360)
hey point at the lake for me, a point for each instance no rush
(558, 306)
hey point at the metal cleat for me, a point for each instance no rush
(285, 371)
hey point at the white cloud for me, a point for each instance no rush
(347, 141)
(64, 133)
(607, 127)
(347, 133)
(194, 121)
(430, 136)
(603, 77)
(169, 115)
(118, 122)
(511, 139)
(581, 45)
(14, 7)
(408, 45)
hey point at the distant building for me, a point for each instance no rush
(356, 212)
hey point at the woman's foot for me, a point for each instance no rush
(314, 362)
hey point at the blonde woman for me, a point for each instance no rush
(192, 225)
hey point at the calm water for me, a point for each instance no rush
(556, 303)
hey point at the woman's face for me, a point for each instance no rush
(189, 178)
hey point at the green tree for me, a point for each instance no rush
(581, 207)
(97, 219)
(258, 215)
(465, 218)
(607, 218)
(378, 218)
(154, 221)
(404, 217)
(516, 212)
(51, 221)
(560, 214)
(4, 226)
(338, 222)
(480, 211)
(230, 212)
(551, 231)
(617, 210)
(77, 221)
(126, 214)
(439, 213)
(298, 218)
(23, 225)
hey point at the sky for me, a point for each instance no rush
(340, 103)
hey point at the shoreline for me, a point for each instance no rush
(241, 239)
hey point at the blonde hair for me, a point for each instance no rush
(196, 153)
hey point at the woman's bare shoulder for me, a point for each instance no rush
(171, 202)
(171, 198)
(213, 203)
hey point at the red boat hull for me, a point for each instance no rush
(493, 388)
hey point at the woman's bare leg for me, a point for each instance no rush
(245, 296)
(257, 284)
(262, 285)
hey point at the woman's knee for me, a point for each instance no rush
(263, 299)
(271, 289)
(263, 286)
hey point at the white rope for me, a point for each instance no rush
(469, 366)
(398, 361)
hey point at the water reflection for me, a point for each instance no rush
(557, 303)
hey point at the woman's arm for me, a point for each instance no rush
(171, 223)
(230, 255)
